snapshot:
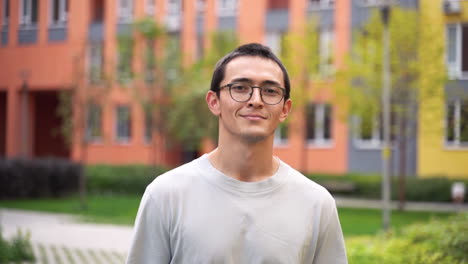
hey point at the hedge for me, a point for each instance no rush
(436, 242)
(32, 178)
(437, 189)
(121, 179)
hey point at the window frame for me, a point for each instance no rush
(150, 7)
(122, 139)
(63, 13)
(320, 118)
(456, 144)
(320, 4)
(227, 8)
(25, 21)
(6, 12)
(375, 142)
(148, 128)
(125, 14)
(89, 135)
(93, 59)
(274, 40)
(280, 139)
(326, 51)
(455, 68)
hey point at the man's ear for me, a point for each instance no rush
(212, 100)
(286, 109)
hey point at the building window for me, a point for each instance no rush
(6, 11)
(174, 7)
(125, 11)
(278, 4)
(59, 12)
(173, 17)
(456, 128)
(124, 59)
(319, 124)
(95, 63)
(227, 7)
(274, 41)
(148, 125)
(368, 132)
(97, 11)
(201, 5)
(29, 13)
(150, 7)
(326, 52)
(150, 63)
(93, 123)
(281, 135)
(315, 4)
(457, 50)
(123, 124)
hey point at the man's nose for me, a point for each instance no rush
(256, 98)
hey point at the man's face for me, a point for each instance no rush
(252, 120)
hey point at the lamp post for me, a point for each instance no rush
(385, 13)
(24, 114)
(384, 6)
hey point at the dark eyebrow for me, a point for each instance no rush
(247, 80)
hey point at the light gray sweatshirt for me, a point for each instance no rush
(196, 214)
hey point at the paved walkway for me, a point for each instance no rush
(61, 239)
(409, 206)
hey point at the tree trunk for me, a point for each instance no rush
(402, 149)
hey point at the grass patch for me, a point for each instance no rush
(121, 209)
(356, 222)
(113, 209)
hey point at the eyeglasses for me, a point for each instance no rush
(241, 92)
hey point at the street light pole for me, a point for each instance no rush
(385, 12)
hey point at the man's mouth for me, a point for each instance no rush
(254, 117)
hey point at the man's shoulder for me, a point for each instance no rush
(307, 187)
(176, 179)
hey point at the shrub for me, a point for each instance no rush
(18, 250)
(122, 179)
(22, 178)
(437, 242)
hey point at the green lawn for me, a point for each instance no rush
(120, 209)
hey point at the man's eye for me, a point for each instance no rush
(271, 91)
(240, 88)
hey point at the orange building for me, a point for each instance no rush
(46, 44)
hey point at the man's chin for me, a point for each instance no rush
(253, 138)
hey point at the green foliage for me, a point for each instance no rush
(436, 242)
(18, 250)
(122, 179)
(189, 119)
(65, 112)
(301, 57)
(148, 28)
(369, 187)
(124, 59)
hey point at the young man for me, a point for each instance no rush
(239, 203)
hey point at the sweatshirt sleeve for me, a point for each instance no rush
(151, 242)
(331, 247)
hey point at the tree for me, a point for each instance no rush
(190, 120)
(360, 82)
(301, 56)
(87, 88)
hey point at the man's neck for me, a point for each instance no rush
(249, 162)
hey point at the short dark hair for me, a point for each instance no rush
(254, 50)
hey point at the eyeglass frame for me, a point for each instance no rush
(229, 85)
